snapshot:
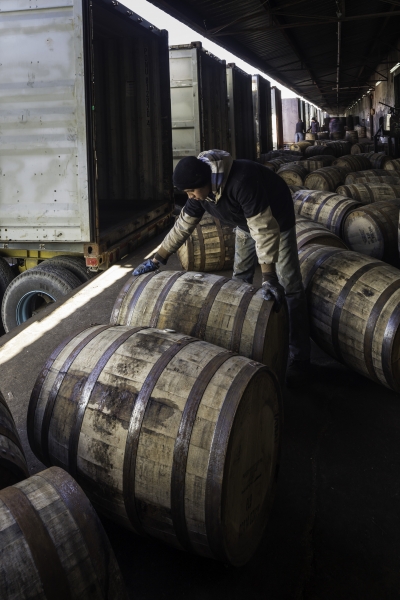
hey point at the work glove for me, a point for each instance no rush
(146, 267)
(272, 290)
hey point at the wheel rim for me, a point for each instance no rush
(30, 304)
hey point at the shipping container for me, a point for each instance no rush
(240, 113)
(262, 114)
(198, 101)
(276, 110)
(290, 116)
(85, 130)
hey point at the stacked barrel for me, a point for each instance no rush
(184, 381)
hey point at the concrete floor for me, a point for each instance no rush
(334, 529)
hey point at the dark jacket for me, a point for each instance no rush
(300, 127)
(314, 126)
(253, 198)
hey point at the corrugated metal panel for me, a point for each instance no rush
(240, 112)
(43, 161)
(293, 44)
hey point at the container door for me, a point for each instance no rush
(43, 158)
(185, 113)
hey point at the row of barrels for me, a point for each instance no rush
(371, 229)
(353, 303)
(329, 175)
(184, 381)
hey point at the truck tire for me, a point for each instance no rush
(74, 264)
(33, 290)
(6, 276)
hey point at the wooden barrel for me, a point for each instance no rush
(226, 312)
(373, 179)
(353, 162)
(361, 130)
(392, 165)
(292, 174)
(339, 148)
(373, 230)
(317, 151)
(308, 232)
(211, 247)
(300, 146)
(337, 135)
(361, 147)
(317, 162)
(168, 435)
(13, 467)
(359, 176)
(379, 160)
(310, 137)
(323, 207)
(370, 192)
(275, 163)
(323, 135)
(353, 303)
(322, 142)
(325, 179)
(53, 544)
(351, 136)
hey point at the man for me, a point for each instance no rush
(335, 126)
(258, 203)
(300, 128)
(314, 125)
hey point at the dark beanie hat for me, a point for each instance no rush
(191, 173)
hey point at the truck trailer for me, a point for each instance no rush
(85, 144)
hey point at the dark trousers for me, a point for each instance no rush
(289, 275)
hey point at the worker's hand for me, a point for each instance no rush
(146, 267)
(272, 290)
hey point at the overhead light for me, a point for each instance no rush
(395, 67)
(378, 82)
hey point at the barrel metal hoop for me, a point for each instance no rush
(387, 348)
(337, 311)
(87, 521)
(182, 443)
(44, 553)
(51, 400)
(238, 322)
(219, 446)
(34, 399)
(155, 315)
(121, 297)
(135, 426)
(371, 325)
(318, 264)
(222, 244)
(202, 247)
(10, 435)
(136, 295)
(199, 328)
(257, 352)
(84, 398)
(370, 192)
(337, 226)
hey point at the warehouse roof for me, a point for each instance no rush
(296, 41)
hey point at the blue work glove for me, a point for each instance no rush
(272, 290)
(146, 267)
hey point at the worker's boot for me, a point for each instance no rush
(298, 373)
